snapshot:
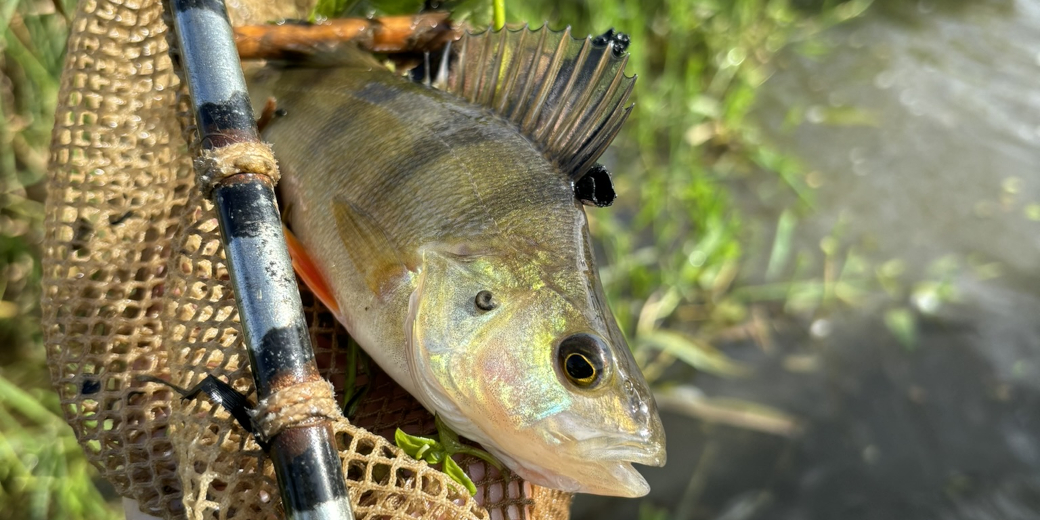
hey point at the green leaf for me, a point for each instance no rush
(499, 9)
(452, 469)
(452, 445)
(449, 438)
(325, 9)
(479, 13)
(420, 448)
(392, 7)
(782, 244)
(413, 445)
(697, 354)
(902, 323)
(433, 452)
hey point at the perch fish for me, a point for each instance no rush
(442, 228)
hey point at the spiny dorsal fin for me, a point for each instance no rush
(566, 95)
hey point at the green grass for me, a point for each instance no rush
(673, 246)
(43, 472)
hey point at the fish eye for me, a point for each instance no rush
(582, 359)
(580, 369)
(485, 301)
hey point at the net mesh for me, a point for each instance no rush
(135, 283)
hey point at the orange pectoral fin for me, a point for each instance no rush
(304, 266)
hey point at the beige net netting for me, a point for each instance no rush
(135, 283)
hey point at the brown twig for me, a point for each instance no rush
(391, 34)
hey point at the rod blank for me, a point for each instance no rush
(305, 458)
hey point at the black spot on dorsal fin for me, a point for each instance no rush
(620, 40)
(595, 188)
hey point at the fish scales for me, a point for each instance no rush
(421, 151)
(411, 202)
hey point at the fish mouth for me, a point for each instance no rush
(600, 465)
(615, 456)
(625, 482)
(631, 452)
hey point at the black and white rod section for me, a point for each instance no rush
(238, 173)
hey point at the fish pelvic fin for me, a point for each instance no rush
(309, 273)
(369, 246)
(566, 95)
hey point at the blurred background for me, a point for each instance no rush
(823, 254)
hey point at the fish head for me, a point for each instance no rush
(523, 356)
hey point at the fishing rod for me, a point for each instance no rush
(238, 173)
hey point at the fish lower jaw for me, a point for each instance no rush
(617, 479)
(625, 481)
(597, 477)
